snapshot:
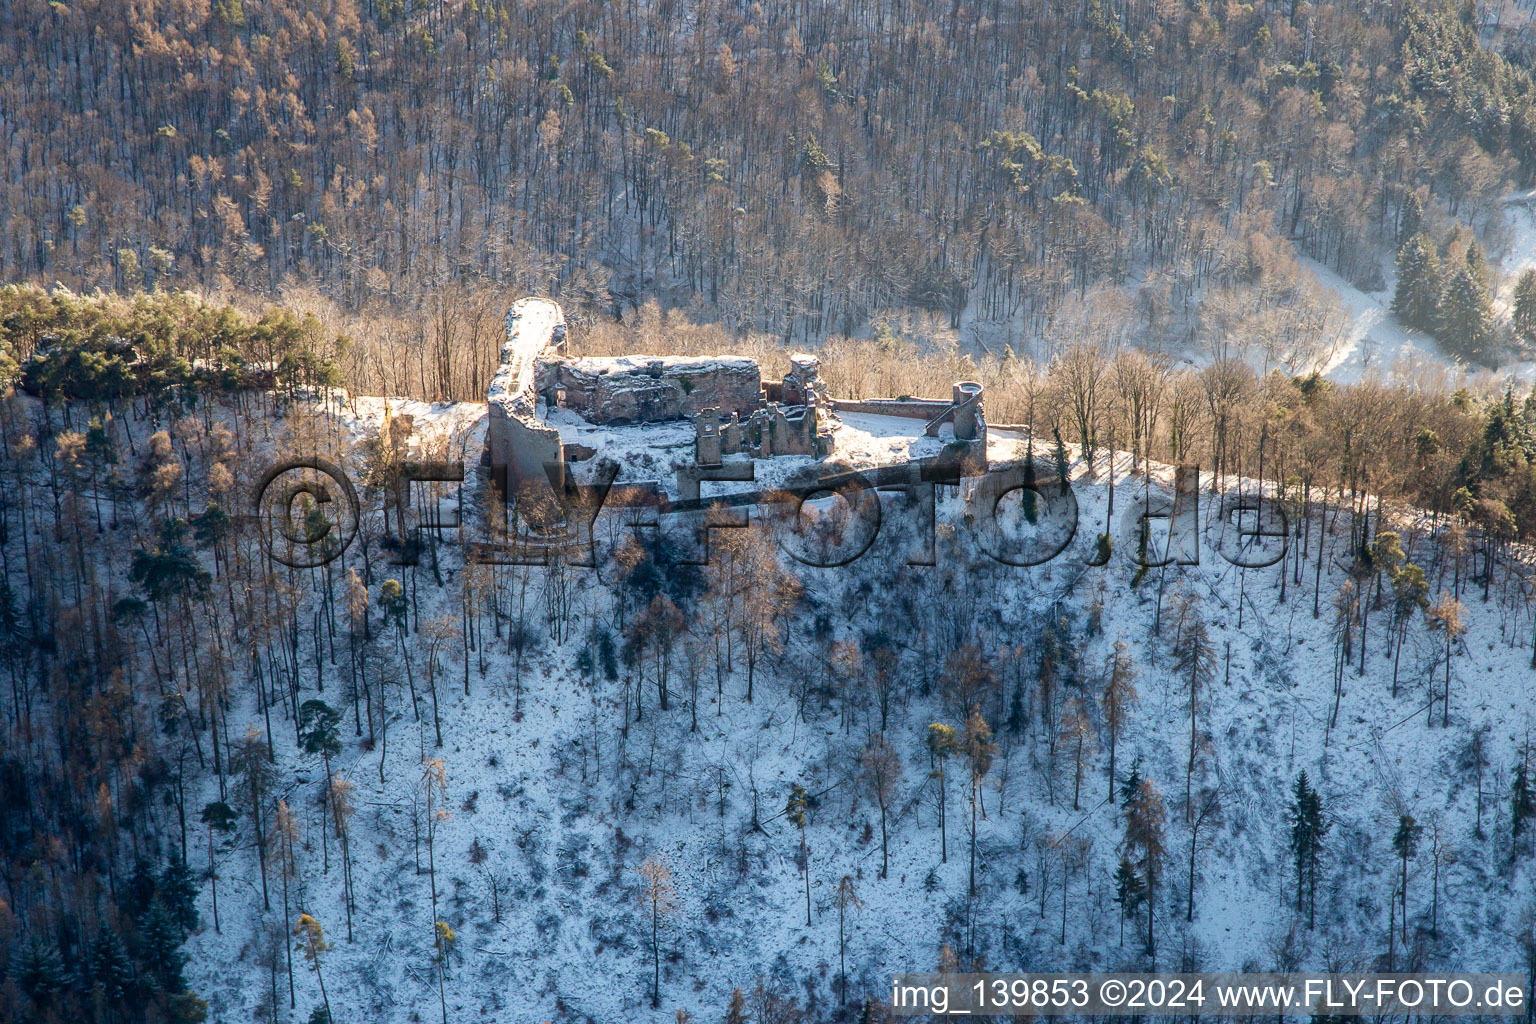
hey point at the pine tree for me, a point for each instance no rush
(1062, 459)
(186, 1008)
(1522, 800)
(1466, 318)
(1416, 300)
(141, 889)
(110, 966)
(1410, 592)
(1307, 831)
(318, 734)
(1524, 313)
(795, 811)
(1118, 698)
(1195, 659)
(162, 955)
(979, 749)
(41, 971)
(1448, 616)
(179, 893)
(1129, 892)
(1477, 263)
(221, 816)
(1144, 814)
(253, 759)
(1475, 759)
(1027, 497)
(874, 1012)
(314, 946)
(1131, 784)
(1412, 216)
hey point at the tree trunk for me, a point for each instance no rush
(805, 855)
(943, 840)
(655, 957)
(1194, 835)
(884, 851)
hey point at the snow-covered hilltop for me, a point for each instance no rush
(933, 698)
(563, 774)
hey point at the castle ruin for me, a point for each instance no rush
(549, 409)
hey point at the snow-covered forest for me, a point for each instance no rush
(1292, 244)
(455, 790)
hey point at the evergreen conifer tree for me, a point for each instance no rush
(1522, 801)
(110, 966)
(1405, 843)
(1131, 784)
(795, 811)
(1466, 318)
(1524, 313)
(1143, 842)
(178, 891)
(162, 955)
(874, 1012)
(1129, 892)
(1307, 831)
(1477, 263)
(314, 946)
(141, 889)
(1412, 216)
(1416, 299)
(1062, 459)
(41, 971)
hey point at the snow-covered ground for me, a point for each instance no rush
(1376, 341)
(1372, 340)
(653, 452)
(1519, 254)
(566, 801)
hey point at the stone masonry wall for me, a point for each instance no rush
(520, 445)
(643, 389)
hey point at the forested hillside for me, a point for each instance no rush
(411, 785)
(1430, 440)
(408, 786)
(795, 168)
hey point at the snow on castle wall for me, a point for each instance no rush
(732, 410)
(520, 445)
(646, 389)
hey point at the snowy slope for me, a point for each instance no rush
(1377, 342)
(566, 803)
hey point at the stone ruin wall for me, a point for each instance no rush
(521, 446)
(725, 397)
(646, 389)
(910, 408)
